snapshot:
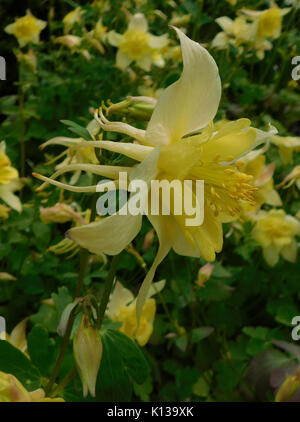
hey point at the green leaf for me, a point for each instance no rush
(113, 383)
(79, 130)
(144, 390)
(13, 361)
(121, 358)
(62, 298)
(201, 333)
(201, 388)
(185, 380)
(41, 349)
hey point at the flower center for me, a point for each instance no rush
(26, 27)
(225, 187)
(135, 44)
(276, 228)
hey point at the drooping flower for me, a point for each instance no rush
(181, 143)
(122, 308)
(9, 180)
(275, 231)
(204, 274)
(291, 178)
(70, 41)
(288, 388)
(87, 347)
(287, 146)
(60, 213)
(254, 164)
(12, 390)
(26, 29)
(71, 18)
(137, 44)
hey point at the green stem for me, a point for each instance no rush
(22, 124)
(64, 382)
(107, 289)
(84, 259)
(61, 355)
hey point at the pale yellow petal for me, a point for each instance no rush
(10, 28)
(158, 42)
(118, 299)
(138, 22)
(225, 23)
(110, 235)
(145, 62)
(122, 60)
(164, 248)
(114, 38)
(289, 252)
(271, 255)
(191, 102)
(10, 198)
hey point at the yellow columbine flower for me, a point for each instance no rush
(287, 145)
(100, 31)
(122, 308)
(71, 18)
(9, 180)
(254, 164)
(275, 231)
(268, 22)
(235, 32)
(171, 150)
(26, 29)
(137, 44)
(11, 390)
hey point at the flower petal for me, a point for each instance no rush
(138, 22)
(271, 255)
(289, 252)
(119, 298)
(10, 198)
(225, 23)
(162, 231)
(114, 38)
(191, 102)
(122, 60)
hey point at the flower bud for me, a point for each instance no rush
(87, 347)
(288, 388)
(204, 274)
(140, 107)
(59, 213)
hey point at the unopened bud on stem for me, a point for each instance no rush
(87, 347)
